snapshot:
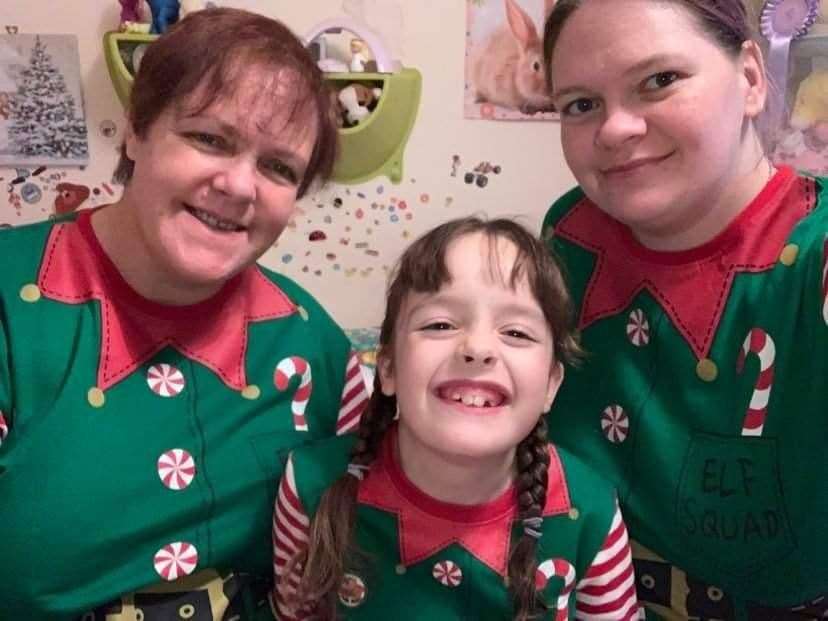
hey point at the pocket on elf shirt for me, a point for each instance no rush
(730, 507)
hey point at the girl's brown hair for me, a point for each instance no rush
(206, 56)
(422, 268)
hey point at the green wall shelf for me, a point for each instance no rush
(372, 148)
(121, 51)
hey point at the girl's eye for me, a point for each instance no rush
(660, 80)
(278, 168)
(438, 326)
(518, 334)
(579, 107)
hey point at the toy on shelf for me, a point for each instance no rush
(129, 10)
(365, 36)
(379, 104)
(360, 57)
(357, 102)
(135, 16)
(164, 14)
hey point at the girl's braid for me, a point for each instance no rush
(532, 480)
(330, 547)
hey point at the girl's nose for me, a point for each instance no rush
(476, 352)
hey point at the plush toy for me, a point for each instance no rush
(357, 101)
(135, 16)
(164, 14)
(129, 10)
(811, 104)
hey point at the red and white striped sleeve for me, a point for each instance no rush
(607, 592)
(354, 397)
(291, 527)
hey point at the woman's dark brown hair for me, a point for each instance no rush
(422, 268)
(206, 56)
(727, 22)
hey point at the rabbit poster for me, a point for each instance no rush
(505, 78)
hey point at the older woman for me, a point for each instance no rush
(152, 376)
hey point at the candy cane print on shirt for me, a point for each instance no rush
(285, 370)
(564, 570)
(760, 343)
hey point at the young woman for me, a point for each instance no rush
(699, 270)
(450, 503)
(145, 359)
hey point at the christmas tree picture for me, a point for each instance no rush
(43, 121)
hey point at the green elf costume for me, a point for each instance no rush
(141, 443)
(704, 400)
(428, 559)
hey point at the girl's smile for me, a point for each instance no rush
(474, 397)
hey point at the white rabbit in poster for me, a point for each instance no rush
(507, 67)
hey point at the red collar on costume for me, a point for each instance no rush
(427, 525)
(692, 286)
(75, 269)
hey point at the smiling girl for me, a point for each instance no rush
(449, 503)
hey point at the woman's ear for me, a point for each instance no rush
(756, 81)
(130, 140)
(556, 376)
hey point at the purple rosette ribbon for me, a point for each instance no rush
(781, 22)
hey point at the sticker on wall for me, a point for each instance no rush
(30, 193)
(70, 196)
(479, 176)
(108, 128)
(348, 231)
(455, 164)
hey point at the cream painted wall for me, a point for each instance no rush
(348, 278)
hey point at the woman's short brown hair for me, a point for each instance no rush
(204, 57)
